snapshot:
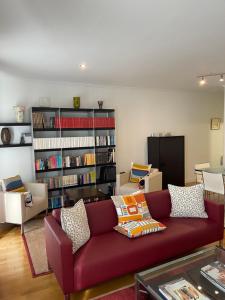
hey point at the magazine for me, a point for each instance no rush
(215, 273)
(181, 289)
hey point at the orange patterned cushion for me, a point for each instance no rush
(141, 227)
(131, 208)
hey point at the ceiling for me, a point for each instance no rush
(143, 43)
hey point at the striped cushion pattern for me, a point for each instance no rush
(139, 228)
(131, 207)
(13, 184)
(138, 172)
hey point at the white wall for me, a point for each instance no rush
(139, 112)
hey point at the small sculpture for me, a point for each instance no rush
(19, 113)
(100, 104)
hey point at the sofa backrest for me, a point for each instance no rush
(159, 204)
(102, 215)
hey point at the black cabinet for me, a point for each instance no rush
(167, 154)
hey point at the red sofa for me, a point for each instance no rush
(109, 254)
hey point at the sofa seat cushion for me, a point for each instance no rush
(113, 254)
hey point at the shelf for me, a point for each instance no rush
(73, 168)
(73, 129)
(15, 124)
(15, 145)
(80, 185)
(55, 109)
(74, 148)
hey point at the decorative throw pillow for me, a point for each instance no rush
(131, 207)
(139, 171)
(13, 184)
(141, 227)
(187, 201)
(75, 224)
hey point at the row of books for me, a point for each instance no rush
(63, 142)
(105, 140)
(66, 122)
(69, 180)
(52, 162)
(55, 202)
(56, 161)
(72, 142)
(105, 156)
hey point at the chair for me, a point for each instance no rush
(153, 183)
(198, 174)
(213, 182)
(13, 204)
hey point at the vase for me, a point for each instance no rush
(19, 113)
(5, 136)
(76, 102)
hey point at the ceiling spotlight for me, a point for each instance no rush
(83, 66)
(202, 81)
(221, 78)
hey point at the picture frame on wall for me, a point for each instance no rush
(215, 123)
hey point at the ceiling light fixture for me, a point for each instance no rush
(202, 78)
(202, 81)
(221, 78)
(83, 66)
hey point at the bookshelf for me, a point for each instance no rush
(74, 149)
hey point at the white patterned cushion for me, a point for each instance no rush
(187, 201)
(75, 223)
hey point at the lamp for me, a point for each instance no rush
(202, 80)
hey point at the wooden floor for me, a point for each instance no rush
(16, 282)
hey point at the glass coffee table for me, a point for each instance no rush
(161, 282)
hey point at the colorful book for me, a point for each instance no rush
(181, 289)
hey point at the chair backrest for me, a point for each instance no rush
(213, 182)
(198, 174)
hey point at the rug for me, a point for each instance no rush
(34, 243)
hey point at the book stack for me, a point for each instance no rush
(55, 202)
(215, 273)
(104, 140)
(53, 162)
(89, 159)
(105, 156)
(60, 181)
(104, 122)
(89, 177)
(65, 142)
(68, 122)
(181, 289)
(38, 119)
(72, 161)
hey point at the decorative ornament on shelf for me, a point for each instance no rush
(100, 104)
(76, 102)
(19, 113)
(5, 136)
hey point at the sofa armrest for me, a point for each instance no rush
(14, 207)
(59, 253)
(153, 182)
(215, 211)
(37, 189)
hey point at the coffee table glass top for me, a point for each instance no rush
(188, 268)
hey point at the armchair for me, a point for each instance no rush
(153, 183)
(13, 204)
